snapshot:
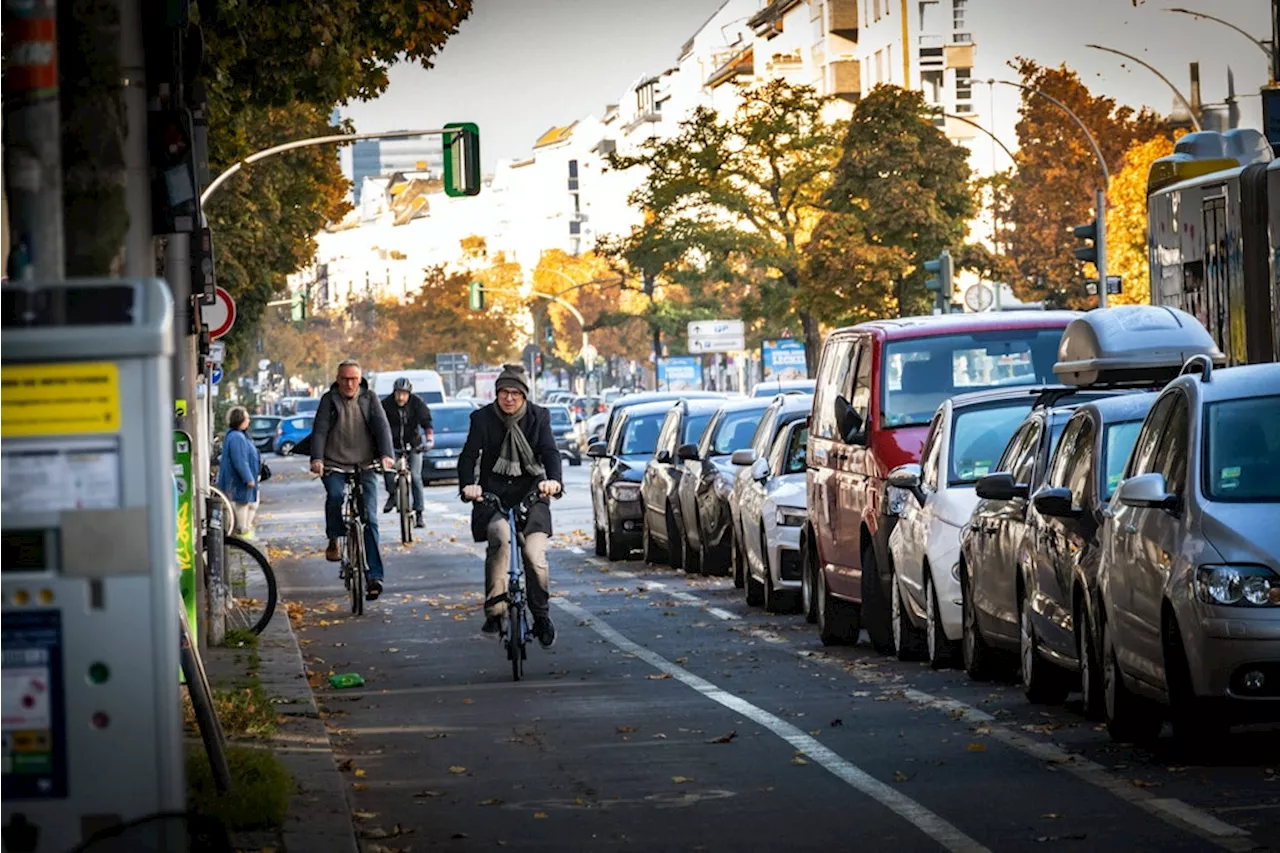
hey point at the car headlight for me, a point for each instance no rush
(1245, 586)
(789, 516)
(625, 491)
(723, 487)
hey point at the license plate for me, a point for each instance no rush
(446, 463)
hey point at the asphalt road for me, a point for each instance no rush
(669, 716)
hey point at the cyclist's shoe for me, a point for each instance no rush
(373, 589)
(492, 625)
(545, 630)
(418, 520)
(390, 504)
(333, 553)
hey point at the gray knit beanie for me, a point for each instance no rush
(513, 376)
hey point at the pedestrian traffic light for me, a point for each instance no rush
(298, 306)
(537, 364)
(476, 296)
(461, 159)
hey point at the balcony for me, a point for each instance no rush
(846, 79)
(844, 18)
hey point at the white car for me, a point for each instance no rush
(772, 510)
(933, 501)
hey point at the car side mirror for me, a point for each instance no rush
(1000, 487)
(596, 450)
(759, 469)
(743, 457)
(1148, 491)
(663, 456)
(907, 477)
(1056, 503)
(687, 452)
(848, 421)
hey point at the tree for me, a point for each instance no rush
(438, 317)
(1057, 176)
(900, 195)
(729, 203)
(613, 313)
(1127, 220)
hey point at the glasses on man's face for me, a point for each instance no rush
(509, 393)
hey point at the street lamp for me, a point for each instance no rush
(1268, 48)
(1195, 120)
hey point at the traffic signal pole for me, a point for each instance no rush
(1100, 244)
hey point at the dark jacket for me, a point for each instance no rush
(374, 417)
(415, 415)
(484, 443)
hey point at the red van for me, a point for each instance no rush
(878, 386)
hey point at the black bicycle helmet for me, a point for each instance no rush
(403, 384)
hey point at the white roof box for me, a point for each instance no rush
(1131, 344)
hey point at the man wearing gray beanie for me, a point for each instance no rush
(511, 452)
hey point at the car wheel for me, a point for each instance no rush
(775, 600)
(648, 548)
(575, 461)
(286, 448)
(601, 545)
(876, 617)
(1130, 718)
(1090, 664)
(1197, 728)
(940, 651)
(808, 584)
(979, 659)
(612, 549)
(1042, 682)
(674, 551)
(839, 622)
(755, 589)
(908, 641)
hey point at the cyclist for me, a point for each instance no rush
(512, 442)
(407, 413)
(350, 430)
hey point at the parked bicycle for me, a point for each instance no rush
(241, 580)
(355, 561)
(518, 627)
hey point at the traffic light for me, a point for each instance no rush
(550, 336)
(943, 271)
(298, 306)
(462, 159)
(1096, 253)
(537, 364)
(1088, 253)
(174, 191)
(476, 296)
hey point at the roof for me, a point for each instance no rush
(740, 63)
(655, 408)
(1126, 407)
(703, 404)
(747, 404)
(949, 324)
(1231, 383)
(795, 403)
(652, 396)
(555, 134)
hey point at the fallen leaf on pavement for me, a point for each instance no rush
(539, 815)
(347, 765)
(359, 786)
(457, 769)
(1142, 783)
(422, 794)
(658, 676)
(359, 773)
(899, 776)
(977, 747)
(680, 780)
(492, 801)
(625, 730)
(393, 650)
(724, 738)
(467, 701)
(799, 759)
(436, 735)
(1051, 816)
(364, 815)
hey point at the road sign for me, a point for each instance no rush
(217, 352)
(216, 376)
(717, 336)
(452, 362)
(220, 316)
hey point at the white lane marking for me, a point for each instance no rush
(722, 614)
(928, 822)
(574, 549)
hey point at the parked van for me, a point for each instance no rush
(426, 383)
(878, 386)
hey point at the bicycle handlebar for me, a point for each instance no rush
(339, 469)
(492, 500)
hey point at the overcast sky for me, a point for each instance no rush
(518, 67)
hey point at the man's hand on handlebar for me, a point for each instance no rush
(317, 466)
(549, 488)
(388, 464)
(472, 493)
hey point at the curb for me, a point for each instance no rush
(318, 817)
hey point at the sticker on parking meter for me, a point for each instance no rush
(59, 399)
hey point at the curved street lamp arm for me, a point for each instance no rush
(1097, 152)
(1262, 45)
(1195, 120)
(973, 123)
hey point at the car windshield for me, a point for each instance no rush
(640, 434)
(310, 404)
(735, 431)
(451, 419)
(920, 373)
(979, 436)
(263, 423)
(1242, 450)
(1116, 445)
(560, 417)
(694, 427)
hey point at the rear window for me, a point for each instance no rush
(735, 432)
(310, 404)
(694, 427)
(920, 373)
(978, 438)
(430, 397)
(560, 417)
(1116, 447)
(640, 434)
(1242, 450)
(451, 419)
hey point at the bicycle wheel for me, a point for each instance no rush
(251, 586)
(406, 510)
(515, 642)
(355, 545)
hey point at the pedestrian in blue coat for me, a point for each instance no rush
(238, 470)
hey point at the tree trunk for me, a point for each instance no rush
(95, 216)
(812, 342)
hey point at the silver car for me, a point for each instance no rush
(1190, 570)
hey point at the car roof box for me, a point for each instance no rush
(1131, 344)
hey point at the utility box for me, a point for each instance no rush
(92, 723)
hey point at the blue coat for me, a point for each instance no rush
(239, 466)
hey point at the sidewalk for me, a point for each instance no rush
(318, 818)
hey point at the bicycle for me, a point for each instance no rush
(518, 629)
(355, 562)
(242, 582)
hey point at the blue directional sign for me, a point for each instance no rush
(216, 376)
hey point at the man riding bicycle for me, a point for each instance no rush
(350, 431)
(407, 413)
(511, 439)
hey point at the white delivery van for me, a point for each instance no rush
(426, 383)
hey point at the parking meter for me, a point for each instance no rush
(92, 723)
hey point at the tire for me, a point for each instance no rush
(754, 588)
(939, 651)
(575, 461)
(601, 543)
(286, 448)
(1042, 682)
(612, 549)
(1129, 718)
(406, 512)
(1090, 665)
(876, 615)
(252, 610)
(808, 583)
(978, 657)
(1197, 729)
(691, 557)
(515, 646)
(674, 552)
(355, 545)
(908, 640)
(649, 549)
(839, 622)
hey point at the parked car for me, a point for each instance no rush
(771, 509)
(663, 520)
(783, 409)
(262, 430)
(291, 431)
(708, 477)
(616, 511)
(450, 423)
(562, 426)
(878, 387)
(1190, 576)
(933, 500)
(771, 388)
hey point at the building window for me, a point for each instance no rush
(876, 4)
(957, 13)
(879, 68)
(964, 84)
(575, 227)
(644, 98)
(964, 38)
(964, 108)
(888, 62)
(573, 176)
(931, 82)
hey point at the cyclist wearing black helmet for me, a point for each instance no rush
(409, 418)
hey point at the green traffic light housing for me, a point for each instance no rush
(461, 159)
(475, 296)
(1088, 254)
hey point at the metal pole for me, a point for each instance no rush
(1275, 41)
(1102, 248)
(1269, 50)
(1093, 143)
(33, 139)
(1177, 93)
(139, 251)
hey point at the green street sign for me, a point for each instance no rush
(476, 296)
